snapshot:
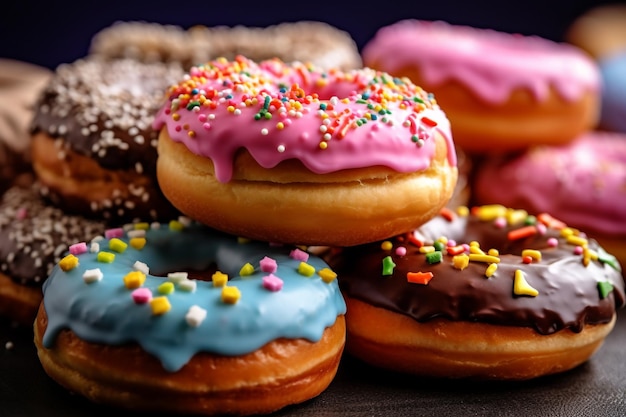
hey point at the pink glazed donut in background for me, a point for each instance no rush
(501, 92)
(582, 183)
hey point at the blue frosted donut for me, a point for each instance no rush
(134, 287)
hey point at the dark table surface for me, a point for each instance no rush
(596, 388)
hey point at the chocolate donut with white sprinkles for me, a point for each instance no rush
(34, 236)
(94, 149)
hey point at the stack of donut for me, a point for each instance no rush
(264, 159)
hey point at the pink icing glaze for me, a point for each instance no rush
(490, 63)
(330, 120)
(582, 184)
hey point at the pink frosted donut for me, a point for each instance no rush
(501, 91)
(297, 154)
(582, 183)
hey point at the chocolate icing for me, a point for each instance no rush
(104, 110)
(34, 235)
(568, 291)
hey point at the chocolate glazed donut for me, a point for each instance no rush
(94, 149)
(481, 273)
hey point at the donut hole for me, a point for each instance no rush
(193, 274)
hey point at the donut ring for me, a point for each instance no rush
(306, 41)
(287, 153)
(501, 92)
(530, 298)
(94, 149)
(121, 322)
(33, 237)
(581, 183)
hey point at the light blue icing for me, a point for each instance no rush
(105, 312)
(613, 106)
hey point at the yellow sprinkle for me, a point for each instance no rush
(443, 239)
(386, 245)
(589, 255)
(535, 254)
(475, 249)
(166, 288)
(493, 252)
(567, 231)
(246, 270)
(427, 249)
(242, 240)
(460, 261)
(491, 212)
(134, 279)
(323, 145)
(521, 287)
(306, 269)
(477, 257)
(176, 117)
(106, 257)
(327, 275)
(491, 269)
(516, 216)
(138, 242)
(160, 305)
(69, 262)
(463, 211)
(142, 226)
(219, 279)
(577, 240)
(117, 245)
(176, 225)
(230, 295)
(280, 125)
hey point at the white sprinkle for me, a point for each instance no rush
(195, 316)
(141, 267)
(185, 221)
(136, 233)
(9, 345)
(94, 247)
(92, 275)
(177, 276)
(264, 132)
(188, 285)
(281, 148)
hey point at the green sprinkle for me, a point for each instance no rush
(106, 257)
(530, 220)
(166, 288)
(434, 257)
(388, 265)
(607, 258)
(117, 245)
(438, 246)
(193, 104)
(605, 288)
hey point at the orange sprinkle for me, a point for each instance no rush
(447, 214)
(522, 232)
(550, 221)
(415, 241)
(419, 277)
(455, 250)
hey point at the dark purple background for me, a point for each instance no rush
(49, 33)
